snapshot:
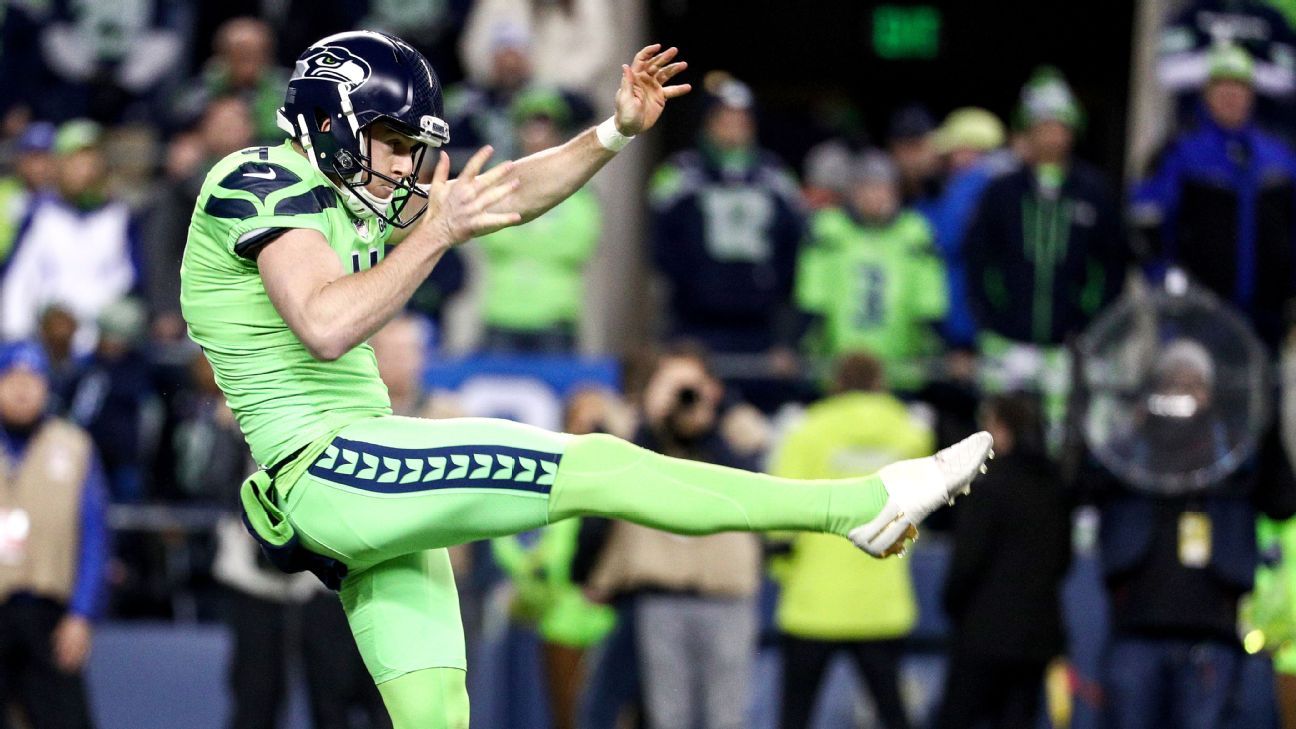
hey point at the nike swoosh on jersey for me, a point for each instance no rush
(259, 178)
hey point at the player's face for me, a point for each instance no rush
(23, 396)
(392, 154)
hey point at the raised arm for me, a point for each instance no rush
(549, 177)
(332, 312)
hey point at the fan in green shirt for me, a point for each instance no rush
(872, 277)
(534, 288)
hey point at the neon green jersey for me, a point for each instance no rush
(282, 397)
(878, 289)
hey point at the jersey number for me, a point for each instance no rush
(356, 260)
(870, 296)
(737, 224)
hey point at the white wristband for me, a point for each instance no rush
(608, 136)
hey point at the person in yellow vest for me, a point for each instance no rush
(820, 612)
(53, 547)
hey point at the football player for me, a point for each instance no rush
(285, 277)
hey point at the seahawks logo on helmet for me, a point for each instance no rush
(336, 64)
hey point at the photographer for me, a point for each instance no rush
(694, 597)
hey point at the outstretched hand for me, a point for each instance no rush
(463, 208)
(643, 92)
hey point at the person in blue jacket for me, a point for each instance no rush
(1221, 203)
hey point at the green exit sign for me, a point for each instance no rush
(906, 31)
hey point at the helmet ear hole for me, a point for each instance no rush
(322, 121)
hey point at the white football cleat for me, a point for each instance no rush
(916, 488)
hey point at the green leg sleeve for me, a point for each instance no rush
(606, 476)
(434, 698)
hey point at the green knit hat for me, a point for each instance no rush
(542, 102)
(76, 135)
(1048, 97)
(1231, 62)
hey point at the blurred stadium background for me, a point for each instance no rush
(871, 229)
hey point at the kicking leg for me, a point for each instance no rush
(391, 486)
(876, 512)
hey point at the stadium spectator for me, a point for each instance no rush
(869, 272)
(827, 176)
(726, 223)
(54, 546)
(910, 143)
(243, 67)
(569, 41)
(694, 597)
(534, 291)
(1012, 549)
(970, 141)
(1268, 612)
(33, 175)
(107, 61)
(1221, 203)
(226, 126)
(478, 109)
(858, 428)
(1045, 251)
(113, 398)
(78, 248)
(1176, 564)
(1191, 34)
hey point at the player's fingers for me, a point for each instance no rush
(490, 222)
(646, 53)
(668, 72)
(475, 163)
(495, 174)
(491, 195)
(677, 90)
(442, 171)
(661, 59)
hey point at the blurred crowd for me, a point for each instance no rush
(874, 301)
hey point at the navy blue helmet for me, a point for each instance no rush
(343, 84)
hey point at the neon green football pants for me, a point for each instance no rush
(387, 495)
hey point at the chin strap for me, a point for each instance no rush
(352, 201)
